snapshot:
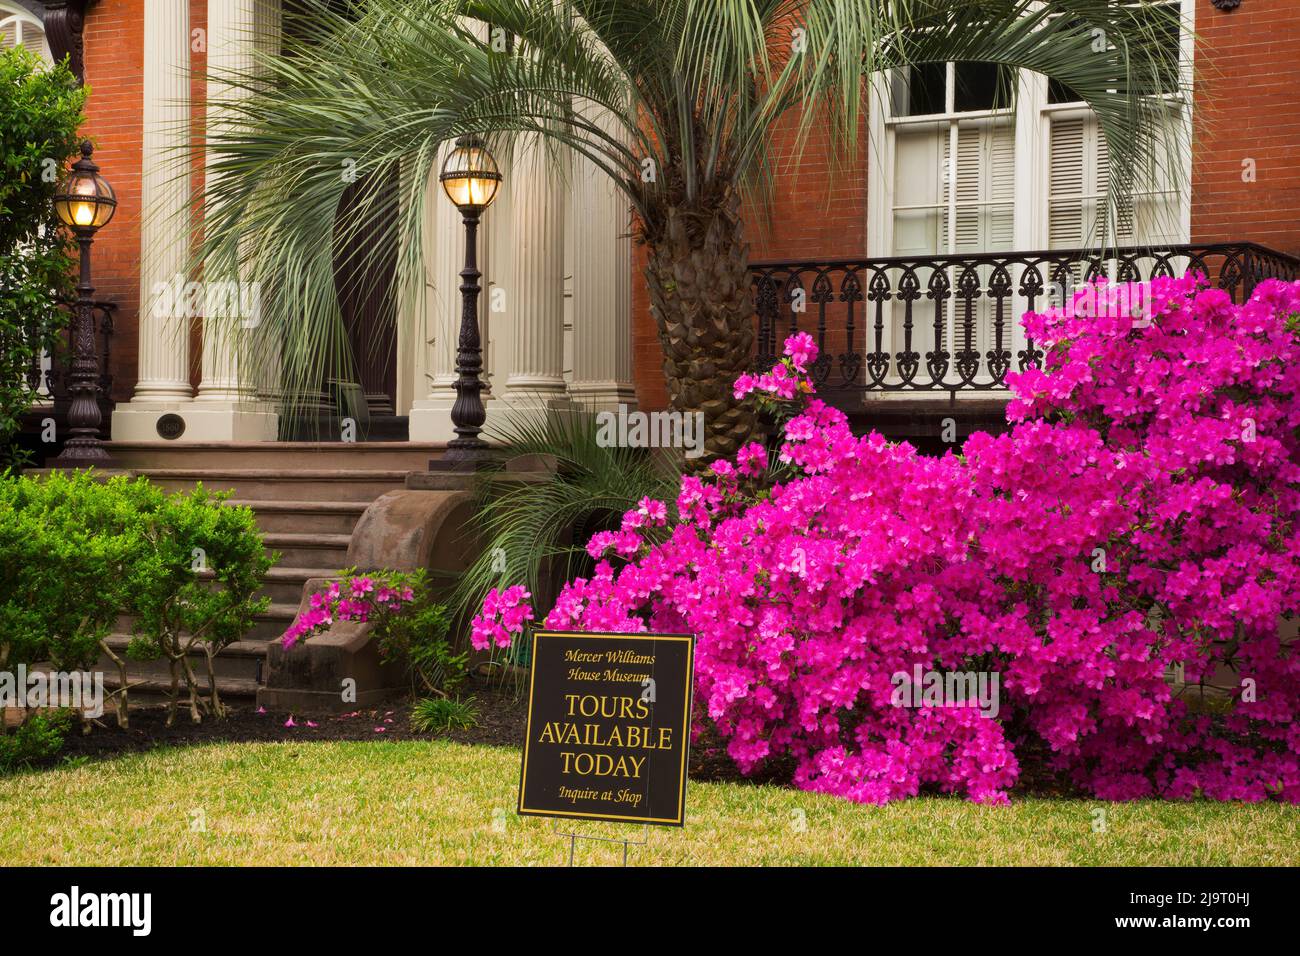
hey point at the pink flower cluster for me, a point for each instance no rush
(359, 597)
(1139, 518)
(502, 617)
(786, 379)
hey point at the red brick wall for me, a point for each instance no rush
(114, 61)
(1247, 105)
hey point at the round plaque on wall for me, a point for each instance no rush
(171, 426)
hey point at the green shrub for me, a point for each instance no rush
(535, 532)
(36, 740)
(40, 111)
(64, 555)
(194, 588)
(77, 552)
(440, 714)
(419, 638)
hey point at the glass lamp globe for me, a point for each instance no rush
(470, 176)
(85, 201)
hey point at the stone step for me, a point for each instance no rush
(302, 517)
(283, 585)
(309, 550)
(285, 455)
(273, 622)
(240, 660)
(152, 689)
(267, 484)
(269, 626)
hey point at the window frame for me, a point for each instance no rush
(1032, 116)
(10, 11)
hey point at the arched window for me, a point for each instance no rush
(20, 25)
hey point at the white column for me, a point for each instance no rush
(535, 293)
(227, 407)
(443, 256)
(163, 367)
(602, 292)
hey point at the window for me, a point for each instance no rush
(19, 25)
(952, 129)
(1078, 168)
(958, 164)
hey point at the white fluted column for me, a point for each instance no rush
(228, 407)
(535, 294)
(602, 291)
(163, 366)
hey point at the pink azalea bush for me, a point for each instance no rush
(374, 597)
(502, 618)
(1139, 516)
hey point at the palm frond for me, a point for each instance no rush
(364, 100)
(535, 532)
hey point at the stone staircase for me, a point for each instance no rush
(307, 497)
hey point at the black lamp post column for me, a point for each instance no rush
(470, 178)
(467, 412)
(84, 447)
(85, 203)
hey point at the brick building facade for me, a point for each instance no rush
(1244, 170)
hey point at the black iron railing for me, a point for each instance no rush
(952, 322)
(48, 375)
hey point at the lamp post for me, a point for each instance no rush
(85, 203)
(470, 178)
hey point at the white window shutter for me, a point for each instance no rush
(1066, 177)
(985, 196)
(9, 33)
(1078, 180)
(16, 29)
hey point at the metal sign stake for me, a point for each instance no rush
(574, 837)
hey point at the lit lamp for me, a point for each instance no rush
(85, 203)
(470, 178)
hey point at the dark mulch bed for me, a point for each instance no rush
(501, 718)
(500, 722)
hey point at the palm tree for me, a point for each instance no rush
(676, 100)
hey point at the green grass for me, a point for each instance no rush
(444, 803)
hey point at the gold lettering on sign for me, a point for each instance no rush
(578, 733)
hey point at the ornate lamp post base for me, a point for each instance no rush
(468, 452)
(84, 448)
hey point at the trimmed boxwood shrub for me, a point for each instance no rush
(77, 552)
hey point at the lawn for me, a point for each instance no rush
(431, 803)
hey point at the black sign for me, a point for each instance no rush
(608, 727)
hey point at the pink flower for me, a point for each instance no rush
(751, 459)
(503, 614)
(655, 512)
(802, 350)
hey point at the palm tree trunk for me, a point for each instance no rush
(702, 303)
